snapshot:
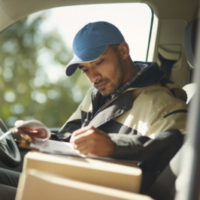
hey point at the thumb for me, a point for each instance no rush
(19, 122)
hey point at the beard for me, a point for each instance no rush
(113, 84)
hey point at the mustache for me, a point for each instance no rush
(100, 81)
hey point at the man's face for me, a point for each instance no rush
(106, 73)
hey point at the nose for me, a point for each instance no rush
(94, 75)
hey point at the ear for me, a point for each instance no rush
(124, 49)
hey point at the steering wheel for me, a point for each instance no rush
(9, 152)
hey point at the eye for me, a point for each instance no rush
(100, 62)
(84, 71)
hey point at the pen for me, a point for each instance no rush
(85, 123)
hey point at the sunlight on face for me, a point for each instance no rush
(106, 73)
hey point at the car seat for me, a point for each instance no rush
(164, 187)
(189, 47)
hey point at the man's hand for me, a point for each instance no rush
(24, 127)
(92, 140)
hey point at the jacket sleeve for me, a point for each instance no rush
(161, 122)
(158, 110)
(154, 154)
(75, 121)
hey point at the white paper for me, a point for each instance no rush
(52, 146)
(35, 124)
(62, 148)
(56, 147)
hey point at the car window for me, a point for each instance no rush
(35, 50)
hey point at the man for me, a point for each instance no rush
(127, 101)
(130, 112)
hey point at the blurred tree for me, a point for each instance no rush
(32, 78)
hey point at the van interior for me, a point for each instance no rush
(171, 39)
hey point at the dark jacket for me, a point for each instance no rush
(143, 121)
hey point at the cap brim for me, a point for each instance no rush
(88, 56)
(72, 65)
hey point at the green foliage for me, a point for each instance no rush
(29, 58)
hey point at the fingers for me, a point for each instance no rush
(82, 136)
(86, 131)
(82, 148)
(19, 122)
(26, 138)
(31, 132)
(85, 151)
(79, 132)
(82, 130)
(92, 140)
(16, 131)
(85, 147)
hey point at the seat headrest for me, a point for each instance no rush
(190, 40)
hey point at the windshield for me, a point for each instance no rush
(35, 50)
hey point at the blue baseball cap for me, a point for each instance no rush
(91, 42)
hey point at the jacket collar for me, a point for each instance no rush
(113, 109)
(148, 76)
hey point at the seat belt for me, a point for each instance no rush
(166, 65)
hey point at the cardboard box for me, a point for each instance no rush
(37, 185)
(116, 174)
